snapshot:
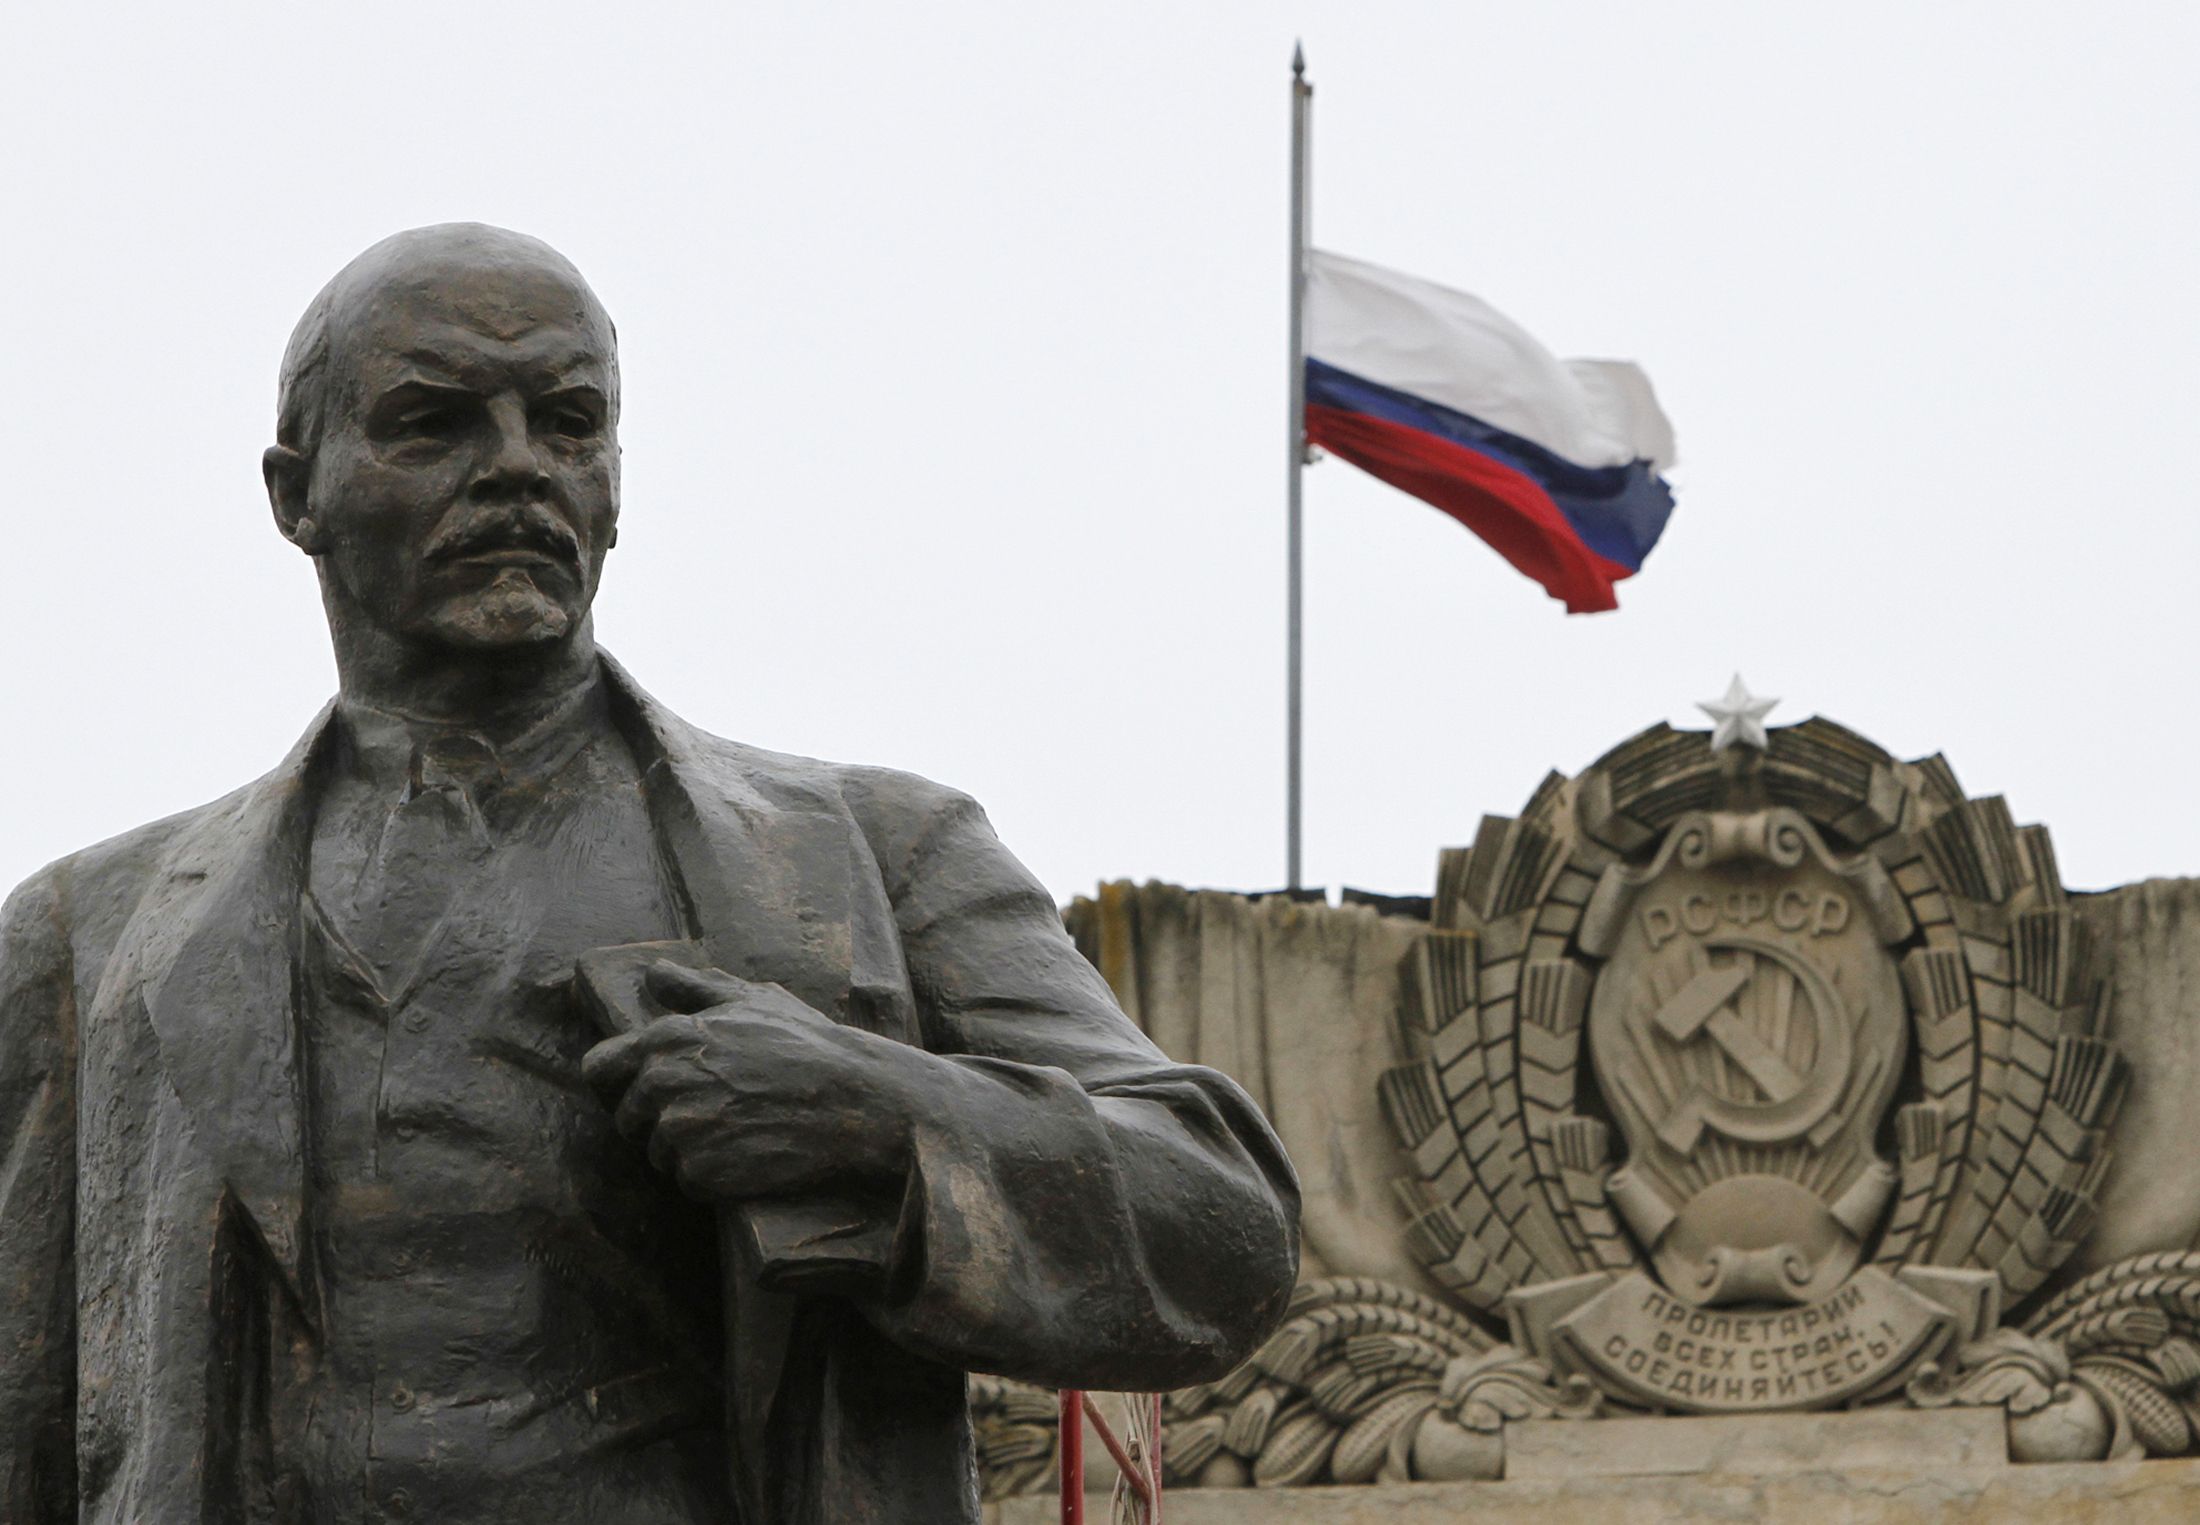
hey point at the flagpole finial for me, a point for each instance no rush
(1298, 60)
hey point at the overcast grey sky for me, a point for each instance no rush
(953, 344)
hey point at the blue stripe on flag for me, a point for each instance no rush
(1618, 511)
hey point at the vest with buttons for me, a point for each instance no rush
(515, 1305)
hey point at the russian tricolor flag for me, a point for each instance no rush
(1554, 462)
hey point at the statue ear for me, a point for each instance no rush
(287, 474)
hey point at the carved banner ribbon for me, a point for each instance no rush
(1646, 1346)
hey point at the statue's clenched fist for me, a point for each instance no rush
(745, 1091)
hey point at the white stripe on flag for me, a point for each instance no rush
(1457, 351)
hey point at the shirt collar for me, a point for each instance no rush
(394, 750)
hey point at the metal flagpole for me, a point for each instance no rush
(1302, 109)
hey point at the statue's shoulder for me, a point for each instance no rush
(85, 898)
(876, 797)
(892, 798)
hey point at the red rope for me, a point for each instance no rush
(1072, 1451)
(1144, 1480)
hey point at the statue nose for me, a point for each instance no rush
(514, 467)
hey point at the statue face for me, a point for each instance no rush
(466, 483)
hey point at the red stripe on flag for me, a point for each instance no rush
(1506, 508)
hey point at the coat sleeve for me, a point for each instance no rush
(37, 1209)
(1080, 1211)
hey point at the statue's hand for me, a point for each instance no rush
(747, 1092)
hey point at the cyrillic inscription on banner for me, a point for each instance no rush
(1671, 1354)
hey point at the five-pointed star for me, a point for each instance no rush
(1741, 717)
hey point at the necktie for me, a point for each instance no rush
(430, 847)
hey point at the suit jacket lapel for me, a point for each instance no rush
(224, 1005)
(766, 878)
(767, 886)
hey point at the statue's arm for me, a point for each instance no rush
(1080, 1211)
(37, 1209)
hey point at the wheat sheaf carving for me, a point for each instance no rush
(1340, 1393)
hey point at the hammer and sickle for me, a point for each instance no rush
(1794, 1103)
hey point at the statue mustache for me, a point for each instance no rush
(528, 527)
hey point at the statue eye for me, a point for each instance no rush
(573, 423)
(435, 421)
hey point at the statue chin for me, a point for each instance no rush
(510, 613)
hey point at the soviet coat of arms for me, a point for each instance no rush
(1752, 1079)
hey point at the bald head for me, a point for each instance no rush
(447, 449)
(490, 278)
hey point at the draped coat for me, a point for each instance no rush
(1081, 1211)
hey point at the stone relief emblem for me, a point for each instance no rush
(1734, 1078)
(1751, 1078)
(1747, 1034)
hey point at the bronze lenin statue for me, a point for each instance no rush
(520, 1106)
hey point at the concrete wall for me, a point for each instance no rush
(1296, 1002)
(2150, 936)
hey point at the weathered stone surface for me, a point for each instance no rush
(2149, 938)
(1294, 1001)
(1872, 1439)
(2101, 1493)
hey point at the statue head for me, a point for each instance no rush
(447, 446)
